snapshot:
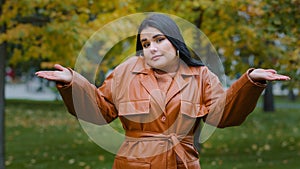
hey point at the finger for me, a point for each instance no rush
(43, 74)
(271, 71)
(279, 77)
(39, 73)
(49, 75)
(59, 67)
(284, 78)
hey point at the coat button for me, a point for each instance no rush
(163, 118)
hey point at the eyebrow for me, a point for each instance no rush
(145, 39)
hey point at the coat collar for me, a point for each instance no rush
(181, 80)
(142, 67)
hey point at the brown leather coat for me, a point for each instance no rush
(160, 127)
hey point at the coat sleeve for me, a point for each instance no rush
(230, 107)
(88, 103)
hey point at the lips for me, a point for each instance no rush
(156, 57)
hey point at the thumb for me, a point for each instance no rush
(271, 71)
(59, 67)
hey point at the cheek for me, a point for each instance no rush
(169, 48)
(147, 56)
(171, 53)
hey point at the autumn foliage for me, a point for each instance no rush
(245, 33)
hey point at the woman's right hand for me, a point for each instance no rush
(62, 74)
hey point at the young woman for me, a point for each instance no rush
(160, 96)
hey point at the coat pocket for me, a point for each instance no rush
(134, 107)
(135, 111)
(193, 110)
(124, 163)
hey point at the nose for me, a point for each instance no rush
(153, 47)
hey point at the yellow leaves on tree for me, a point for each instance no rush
(56, 30)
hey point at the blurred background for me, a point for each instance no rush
(35, 34)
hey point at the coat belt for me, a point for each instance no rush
(172, 138)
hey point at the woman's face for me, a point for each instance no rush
(158, 51)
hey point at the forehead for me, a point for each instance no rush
(149, 32)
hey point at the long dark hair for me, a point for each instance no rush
(170, 29)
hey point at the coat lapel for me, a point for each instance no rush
(178, 84)
(148, 81)
(181, 80)
(150, 84)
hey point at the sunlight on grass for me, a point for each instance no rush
(265, 140)
(43, 135)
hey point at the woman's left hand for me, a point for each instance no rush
(267, 74)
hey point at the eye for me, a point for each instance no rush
(146, 45)
(160, 39)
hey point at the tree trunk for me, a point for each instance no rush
(3, 55)
(269, 98)
(291, 95)
(2, 104)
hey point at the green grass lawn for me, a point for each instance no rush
(42, 135)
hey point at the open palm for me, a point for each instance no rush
(62, 74)
(267, 74)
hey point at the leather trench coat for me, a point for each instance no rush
(160, 128)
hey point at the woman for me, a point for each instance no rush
(160, 96)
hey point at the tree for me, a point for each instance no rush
(54, 30)
(276, 24)
(2, 94)
(245, 33)
(252, 34)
